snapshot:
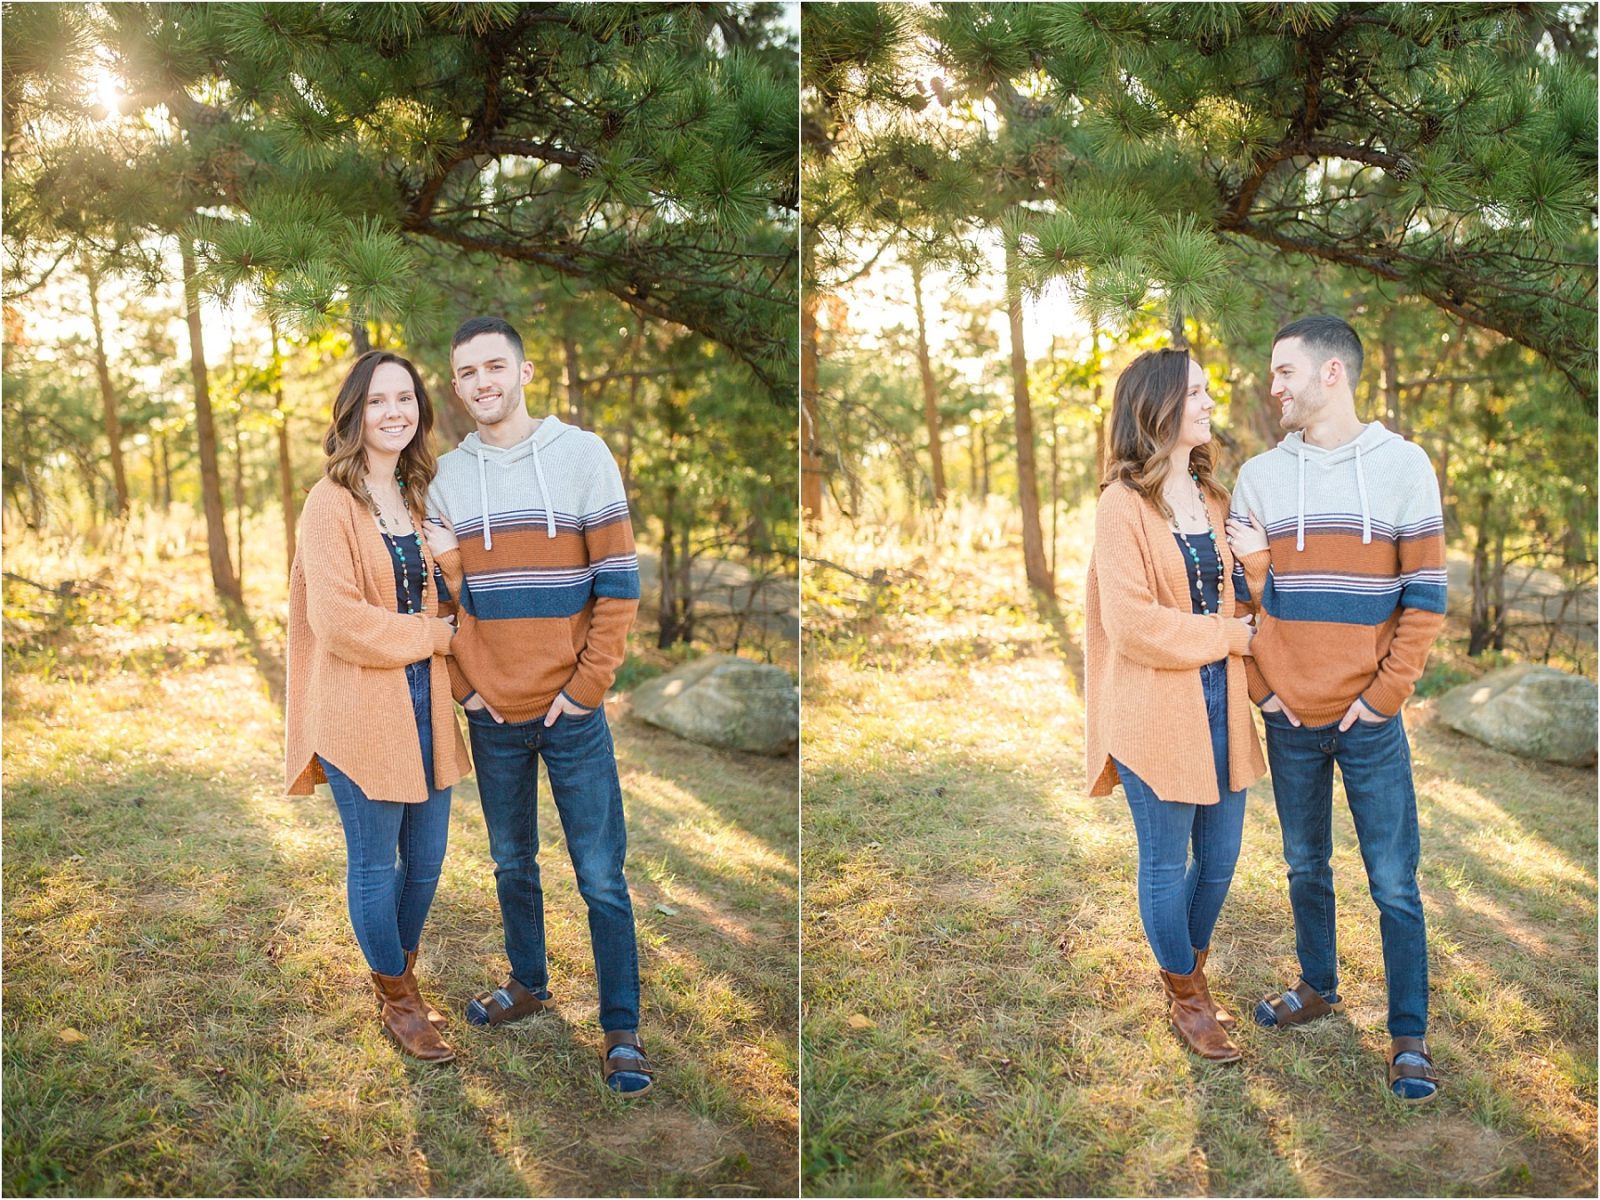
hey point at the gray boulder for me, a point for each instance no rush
(1528, 710)
(725, 701)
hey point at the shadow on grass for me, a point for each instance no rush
(267, 660)
(186, 1010)
(981, 1015)
(169, 1024)
(1066, 646)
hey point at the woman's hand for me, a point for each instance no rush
(441, 538)
(1246, 538)
(1249, 623)
(450, 624)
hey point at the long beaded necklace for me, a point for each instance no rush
(1194, 555)
(392, 540)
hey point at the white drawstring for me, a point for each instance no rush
(1366, 509)
(483, 502)
(544, 493)
(1300, 524)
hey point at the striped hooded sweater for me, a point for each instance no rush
(547, 579)
(1351, 589)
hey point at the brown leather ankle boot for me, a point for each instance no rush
(1224, 1017)
(405, 1018)
(435, 1017)
(1192, 1013)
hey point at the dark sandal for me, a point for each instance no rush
(1399, 1070)
(637, 1066)
(1312, 1006)
(508, 1002)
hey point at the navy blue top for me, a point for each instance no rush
(407, 579)
(1210, 584)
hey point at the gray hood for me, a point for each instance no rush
(515, 458)
(1340, 458)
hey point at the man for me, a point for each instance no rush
(1340, 541)
(550, 588)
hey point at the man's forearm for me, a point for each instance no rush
(603, 650)
(1403, 665)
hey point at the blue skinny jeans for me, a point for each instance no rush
(1180, 896)
(393, 851)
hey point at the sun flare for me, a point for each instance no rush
(108, 92)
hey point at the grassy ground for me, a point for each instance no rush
(981, 1010)
(186, 1011)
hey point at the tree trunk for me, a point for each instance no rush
(569, 350)
(1038, 570)
(673, 620)
(1498, 592)
(285, 465)
(685, 591)
(238, 489)
(667, 579)
(982, 487)
(1098, 395)
(635, 343)
(166, 470)
(930, 398)
(1446, 428)
(1391, 386)
(108, 397)
(1055, 483)
(1478, 630)
(222, 577)
(360, 342)
(810, 423)
(35, 514)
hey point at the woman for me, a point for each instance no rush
(368, 711)
(1165, 697)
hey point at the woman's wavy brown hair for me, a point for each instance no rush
(347, 454)
(1146, 409)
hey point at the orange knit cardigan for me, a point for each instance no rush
(347, 697)
(1143, 650)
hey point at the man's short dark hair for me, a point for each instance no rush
(478, 326)
(1327, 337)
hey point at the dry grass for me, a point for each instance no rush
(981, 1016)
(186, 1011)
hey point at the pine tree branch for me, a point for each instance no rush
(482, 128)
(1325, 148)
(428, 195)
(634, 295)
(1449, 296)
(1263, 167)
(583, 163)
(43, 278)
